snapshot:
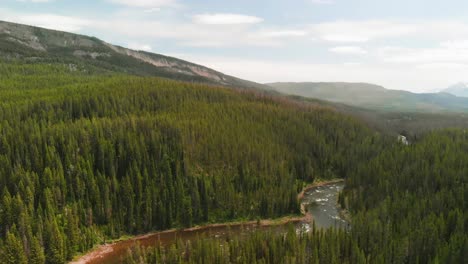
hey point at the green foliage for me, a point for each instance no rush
(85, 157)
(37, 252)
(13, 252)
(408, 206)
(319, 246)
(409, 203)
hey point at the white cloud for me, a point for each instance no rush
(441, 66)
(446, 54)
(139, 46)
(455, 44)
(352, 64)
(205, 43)
(145, 3)
(348, 50)
(200, 35)
(50, 21)
(371, 30)
(361, 31)
(226, 19)
(285, 33)
(152, 10)
(188, 34)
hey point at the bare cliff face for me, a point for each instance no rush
(171, 64)
(21, 42)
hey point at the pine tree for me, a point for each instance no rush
(54, 244)
(13, 252)
(36, 256)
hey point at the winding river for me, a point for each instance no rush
(320, 204)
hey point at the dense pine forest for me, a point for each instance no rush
(87, 156)
(408, 205)
(318, 246)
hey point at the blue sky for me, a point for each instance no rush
(410, 45)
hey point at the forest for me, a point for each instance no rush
(318, 246)
(90, 156)
(408, 205)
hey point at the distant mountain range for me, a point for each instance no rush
(372, 96)
(459, 89)
(33, 44)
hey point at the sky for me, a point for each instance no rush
(414, 45)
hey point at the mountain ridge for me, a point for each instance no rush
(459, 89)
(373, 96)
(32, 43)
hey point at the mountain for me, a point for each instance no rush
(459, 89)
(33, 44)
(375, 97)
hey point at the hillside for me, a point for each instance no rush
(375, 97)
(408, 205)
(33, 44)
(88, 157)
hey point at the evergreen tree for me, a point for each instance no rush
(13, 252)
(36, 255)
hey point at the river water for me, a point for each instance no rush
(320, 202)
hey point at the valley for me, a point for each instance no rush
(100, 144)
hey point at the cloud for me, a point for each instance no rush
(179, 32)
(145, 3)
(138, 46)
(190, 34)
(446, 53)
(152, 10)
(352, 64)
(348, 50)
(226, 19)
(455, 44)
(50, 21)
(361, 31)
(441, 66)
(285, 33)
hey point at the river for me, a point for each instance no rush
(319, 202)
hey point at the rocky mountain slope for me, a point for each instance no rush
(37, 44)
